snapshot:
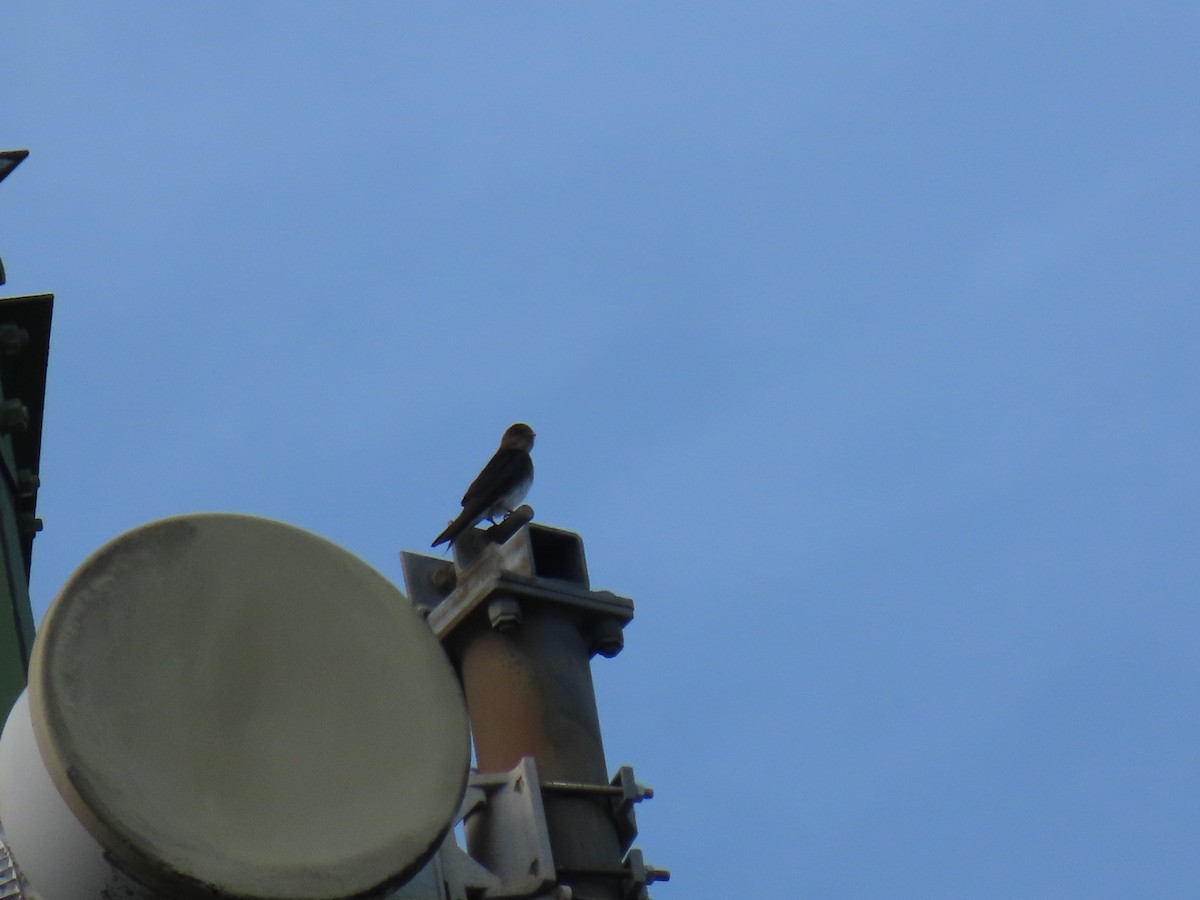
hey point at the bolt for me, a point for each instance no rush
(607, 638)
(444, 579)
(504, 613)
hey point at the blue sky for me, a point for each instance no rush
(860, 341)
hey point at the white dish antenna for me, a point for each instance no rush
(234, 706)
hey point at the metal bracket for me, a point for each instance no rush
(642, 875)
(623, 791)
(506, 825)
(635, 875)
(539, 565)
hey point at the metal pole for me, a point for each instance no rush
(529, 693)
(521, 624)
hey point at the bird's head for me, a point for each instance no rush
(519, 436)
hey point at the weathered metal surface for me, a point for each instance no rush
(521, 624)
(623, 792)
(482, 582)
(506, 809)
(508, 829)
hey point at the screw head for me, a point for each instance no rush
(608, 638)
(504, 613)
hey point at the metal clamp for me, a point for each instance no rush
(634, 871)
(623, 792)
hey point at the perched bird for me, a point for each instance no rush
(502, 484)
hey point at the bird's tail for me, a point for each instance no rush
(455, 528)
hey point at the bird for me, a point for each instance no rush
(502, 484)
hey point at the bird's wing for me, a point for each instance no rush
(506, 468)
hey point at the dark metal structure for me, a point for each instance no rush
(521, 624)
(24, 353)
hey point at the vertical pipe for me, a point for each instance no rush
(529, 693)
